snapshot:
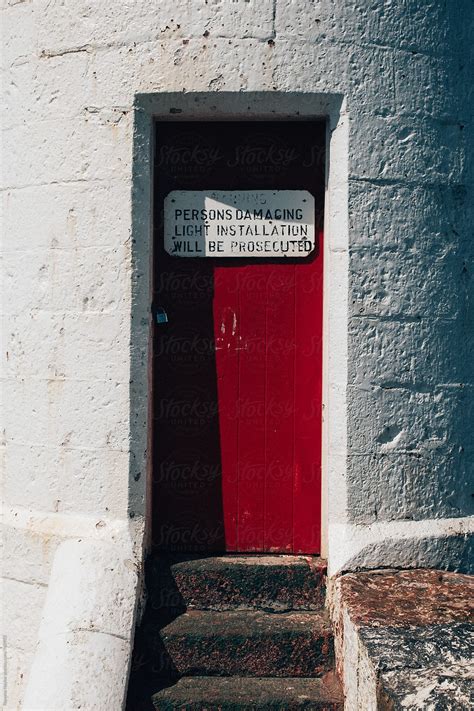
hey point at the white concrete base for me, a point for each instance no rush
(432, 543)
(86, 632)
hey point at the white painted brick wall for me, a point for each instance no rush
(73, 70)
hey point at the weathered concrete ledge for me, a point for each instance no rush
(405, 639)
(82, 655)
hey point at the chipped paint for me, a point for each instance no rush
(404, 639)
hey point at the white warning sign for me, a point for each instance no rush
(245, 223)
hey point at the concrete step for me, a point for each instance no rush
(245, 643)
(265, 582)
(405, 639)
(244, 694)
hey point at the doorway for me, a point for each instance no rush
(237, 353)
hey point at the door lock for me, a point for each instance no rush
(159, 315)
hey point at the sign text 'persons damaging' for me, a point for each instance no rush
(246, 223)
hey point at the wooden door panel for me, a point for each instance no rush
(237, 368)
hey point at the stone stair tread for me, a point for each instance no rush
(227, 582)
(245, 623)
(247, 643)
(240, 559)
(244, 693)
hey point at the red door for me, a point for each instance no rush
(237, 364)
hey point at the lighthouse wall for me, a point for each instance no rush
(83, 81)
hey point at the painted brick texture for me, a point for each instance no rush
(72, 74)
